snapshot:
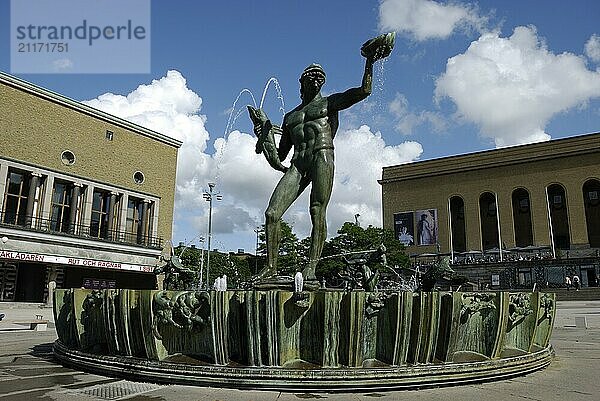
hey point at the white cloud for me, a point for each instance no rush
(592, 48)
(360, 155)
(427, 19)
(244, 178)
(511, 87)
(407, 121)
(168, 106)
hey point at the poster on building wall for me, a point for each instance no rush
(404, 228)
(427, 227)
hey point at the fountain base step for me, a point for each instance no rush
(282, 379)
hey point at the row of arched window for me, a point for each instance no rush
(523, 228)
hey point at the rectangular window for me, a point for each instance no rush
(525, 277)
(133, 222)
(109, 135)
(15, 198)
(149, 227)
(61, 206)
(99, 218)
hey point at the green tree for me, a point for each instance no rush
(236, 268)
(352, 238)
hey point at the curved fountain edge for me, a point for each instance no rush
(270, 340)
(334, 379)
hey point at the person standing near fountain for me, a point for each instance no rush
(310, 129)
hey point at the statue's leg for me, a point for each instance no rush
(322, 182)
(286, 192)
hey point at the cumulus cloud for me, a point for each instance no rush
(592, 48)
(428, 19)
(360, 156)
(247, 178)
(407, 121)
(168, 106)
(244, 178)
(511, 87)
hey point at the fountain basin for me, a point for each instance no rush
(311, 341)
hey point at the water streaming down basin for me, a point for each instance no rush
(320, 340)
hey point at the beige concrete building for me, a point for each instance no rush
(86, 198)
(542, 194)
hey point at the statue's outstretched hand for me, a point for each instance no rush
(379, 47)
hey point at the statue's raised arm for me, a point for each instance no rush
(372, 50)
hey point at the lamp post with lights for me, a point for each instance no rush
(209, 196)
(258, 230)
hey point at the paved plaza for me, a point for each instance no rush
(28, 371)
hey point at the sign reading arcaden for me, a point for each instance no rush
(32, 257)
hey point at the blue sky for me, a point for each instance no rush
(463, 77)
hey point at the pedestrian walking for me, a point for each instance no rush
(568, 282)
(576, 282)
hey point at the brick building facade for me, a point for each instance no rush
(86, 198)
(537, 195)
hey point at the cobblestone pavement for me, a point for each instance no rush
(28, 371)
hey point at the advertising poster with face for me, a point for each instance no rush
(404, 227)
(427, 226)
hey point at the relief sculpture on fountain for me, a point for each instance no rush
(186, 310)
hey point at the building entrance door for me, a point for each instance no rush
(31, 283)
(589, 278)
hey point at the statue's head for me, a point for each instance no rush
(311, 80)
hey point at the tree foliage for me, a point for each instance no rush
(237, 267)
(293, 254)
(353, 238)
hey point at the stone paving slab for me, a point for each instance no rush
(28, 372)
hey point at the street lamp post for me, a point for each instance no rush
(208, 196)
(257, 230)
(201, 263)
(201, 240)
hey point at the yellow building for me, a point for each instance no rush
(535, 195)
(86, 198)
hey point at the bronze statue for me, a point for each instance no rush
(363, 269)
(441, 273)
(310, 129)
(177, 277)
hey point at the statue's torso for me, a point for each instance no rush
(311, 128)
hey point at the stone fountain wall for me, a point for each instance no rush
(306, 331)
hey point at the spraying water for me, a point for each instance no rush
(378, 105)
(236, 112)
(279, 95)
(230, 120)
(380, 76)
